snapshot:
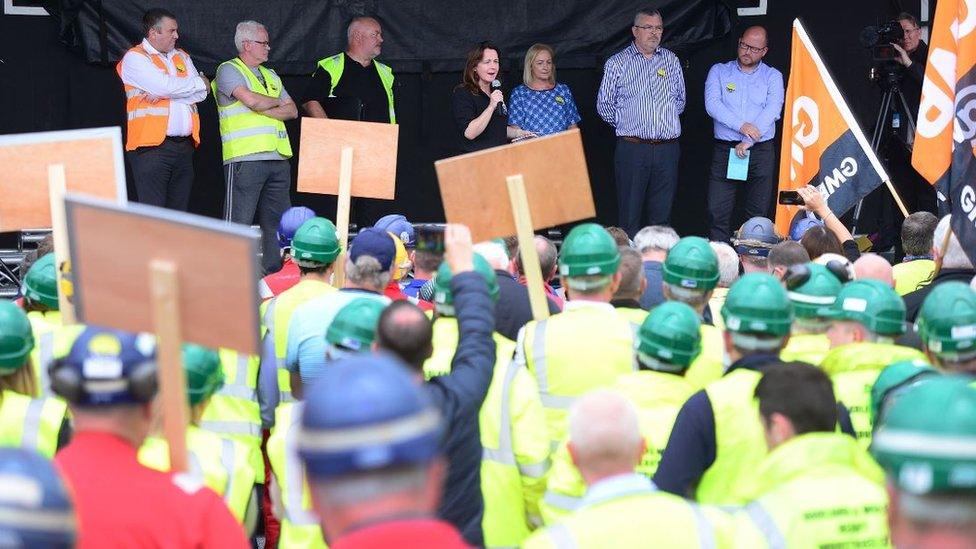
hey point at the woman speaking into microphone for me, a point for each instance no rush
(479, 104)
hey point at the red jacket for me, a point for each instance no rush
(403, 534)
(120, 503)
(277, 282)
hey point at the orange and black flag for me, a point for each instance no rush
(822, 144)
(946, 131)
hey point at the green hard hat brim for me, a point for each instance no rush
(48, 300)
(942, 474)
(323, 257)
(589, 265)
(694, 279)
(198, 395)
(880, 326)
(667, 353)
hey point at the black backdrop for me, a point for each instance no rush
(45, 85)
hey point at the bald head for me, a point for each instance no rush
(405, 331)
(364, 38)
(874, 267)
(752, 47)
(604, 435)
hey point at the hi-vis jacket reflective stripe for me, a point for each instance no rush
(299, 526)
(645, 518)
(658, 397)
(243, 131)
(854, 368)
(336, 64)
(148, 118)
(513, 433)
(739, 440)
(222, 463)
(31, 423)
(234, 411)
(816, 490)
(574, 352)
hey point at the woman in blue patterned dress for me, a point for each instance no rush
(541, 105)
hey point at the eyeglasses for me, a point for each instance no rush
(750, 49)
(654, 28)
(265, 43)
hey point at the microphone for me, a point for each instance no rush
(496, 84)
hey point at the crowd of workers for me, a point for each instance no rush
(683, 393)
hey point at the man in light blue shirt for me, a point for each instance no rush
(744, 97)
(368, 270)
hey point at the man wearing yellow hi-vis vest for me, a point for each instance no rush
(669, 340)
(252, 105)
(234, 411)
(355, 74)
(511, 421)
(589, 344)
(225, 465)
(813, 289)
(314, 248)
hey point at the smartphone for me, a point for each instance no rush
(430, 237)
(790, 198)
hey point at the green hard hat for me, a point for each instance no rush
(925, 439)
(41, 282)
(947, 320)
(16, 338)
(692, 264)
(670, 337)
(204, 374)
(354, 326)
(894, 379)
(758, 304)
(442, 282)
(812, 289)
(871, 303)
(316, 241)
(588, 250)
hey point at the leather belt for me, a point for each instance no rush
(638, 140)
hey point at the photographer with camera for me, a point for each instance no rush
(912, 54)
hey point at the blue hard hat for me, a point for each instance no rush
(35, 509)
(756, 236)
(366, 412)
(291, 220)
(801, 225)
(107, 367)
(398, 225)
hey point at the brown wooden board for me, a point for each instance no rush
(374, 157)
(93, 166)
(474, 186)
(112, 248)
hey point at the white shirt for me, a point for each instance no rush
(139, 71)
(617, 486)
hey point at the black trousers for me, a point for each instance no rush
(646, 176)
(723, 192)
(164, 174)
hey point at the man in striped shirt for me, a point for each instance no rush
(641, 96)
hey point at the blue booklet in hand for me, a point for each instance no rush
(738, 167)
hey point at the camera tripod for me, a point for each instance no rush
(882, 129)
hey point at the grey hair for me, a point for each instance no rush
(728, 264)
(604, 428)
(917, 233)
(367, 271)
(696, 299)
(655, 238)
(953, 510)
(953, 257)
(246, 31)
(648, 12)
(494, 253)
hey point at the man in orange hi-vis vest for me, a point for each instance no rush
(162, 88)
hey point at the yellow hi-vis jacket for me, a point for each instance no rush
(234, 411)
(31, 423)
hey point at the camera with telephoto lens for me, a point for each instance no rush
(879, 39)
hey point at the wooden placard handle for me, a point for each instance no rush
(57, 187)
(526, 240)
(172, 379)
(894, 194)
(342, 213)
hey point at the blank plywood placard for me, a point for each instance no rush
(475, 192)
(374, 157)
(93, 166)
(111, 251)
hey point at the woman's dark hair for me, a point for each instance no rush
(469, 80)
(819, 241)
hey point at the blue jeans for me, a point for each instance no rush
(647, 176)
(259, 187)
